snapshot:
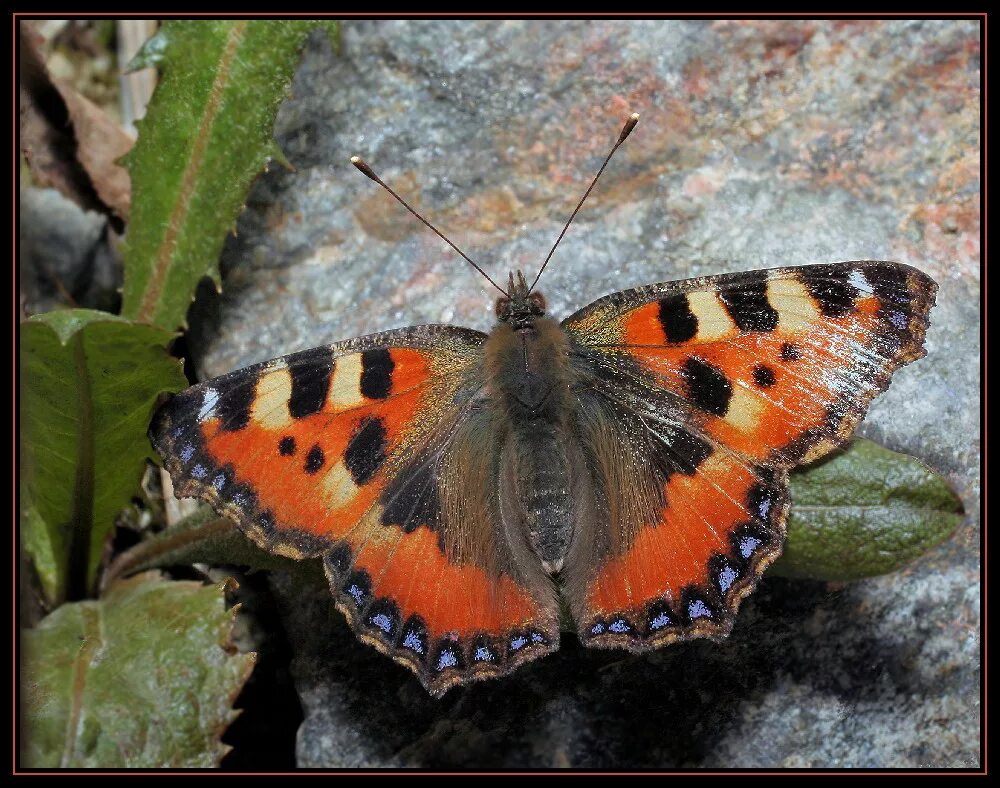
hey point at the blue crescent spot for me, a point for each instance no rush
(199, 471)
(727, 577)
(764, 507)
(698, 609)
(239, 499)
(187, 451)
(620, 626)
(219, 482)
(662, 620)
(747, 545)
(536, 637)
(597, 629)
(382, 621)
(518, 642)
(898, 320)
(412, 642)
(483, 654)
(356, 592)
(447, 660)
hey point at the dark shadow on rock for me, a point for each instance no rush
(583, 707)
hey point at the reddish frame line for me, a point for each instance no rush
(17, 17)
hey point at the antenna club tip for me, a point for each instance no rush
(358, 162)
(629, 125)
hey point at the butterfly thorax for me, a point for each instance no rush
(530, 380)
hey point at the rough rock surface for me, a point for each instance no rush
(760, 144)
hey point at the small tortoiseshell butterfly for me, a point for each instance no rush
(632, 459)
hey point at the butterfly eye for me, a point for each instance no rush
(537, 303)
(502, 307)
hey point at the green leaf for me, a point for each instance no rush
(866, 511)
(89, 382)
(37, 543)
(206, 136)
(143, 678)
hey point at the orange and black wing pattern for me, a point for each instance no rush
(714, 388)
(359, 452)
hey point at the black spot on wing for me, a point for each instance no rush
(366, 450)
(412, 499)
(678, 451)
(832, 291)
(747, 304)
(376, 373)
(315, 459)
(286, 446)
(763, 376)
(676, 318)
(708, 387)
(310, 371)
(233, 406)
(790, 352)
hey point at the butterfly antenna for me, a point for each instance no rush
(358, 162)
(626, 130)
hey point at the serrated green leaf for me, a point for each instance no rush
(144, 677)
(89, 382)
(866, 511)
(206, 136)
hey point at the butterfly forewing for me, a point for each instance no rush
(728, 382)
(360, 453)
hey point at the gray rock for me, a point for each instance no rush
(760, 144)
(65, 257)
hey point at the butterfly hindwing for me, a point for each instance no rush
(363, 453)
(711, 390)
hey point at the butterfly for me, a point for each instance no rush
(630, 462)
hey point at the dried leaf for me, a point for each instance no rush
(68, 142)
(100, 143)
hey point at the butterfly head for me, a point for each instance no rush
(520, 306)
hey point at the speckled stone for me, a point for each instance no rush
(65, 257)
(761, 144)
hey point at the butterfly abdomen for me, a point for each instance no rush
(530, 384)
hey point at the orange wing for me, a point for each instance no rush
(350, 452)
(717, 387)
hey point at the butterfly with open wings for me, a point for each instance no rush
(631, 460)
